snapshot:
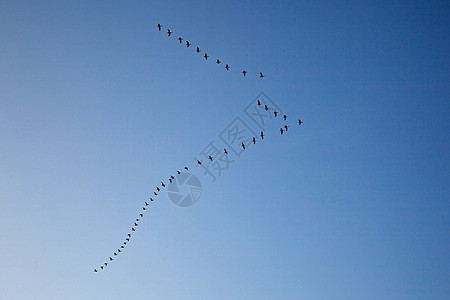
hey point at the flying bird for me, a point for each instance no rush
(275, 113)
(218, 61)
(259, 103)
(206, 56)
(122, 247)
(286, 127)
(124, 243)
(170, 180)
(142, 215)
(132, 228)
(186, 168)
(158, 189)
(115, 253)
(129, 235)
(244, 72)
(101, 267)
(178, 172)
(159, 27)
(162, 184)
(300, 122)
(128, 239)
(106, 263)
(261, 75)
(210, 158)
(265, 107)
(243, 146)
(171, 177)
(262, 135)
(169, 32)
(198, 50)
(254, 140)
(227, 67)
(110, 258)
(95, 270)
(284, 117)
(225, 151)
(136, 224)
(151, 199)
(144, 208)
(180, 39)
(146, 204)
(187, 44)
(199, 162)
(281, 130)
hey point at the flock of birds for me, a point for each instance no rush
(206, 56)
(171, 179)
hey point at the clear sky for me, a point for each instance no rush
(97, 107)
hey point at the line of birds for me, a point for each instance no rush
(206, 56)
(171, 179)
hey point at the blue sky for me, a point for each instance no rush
(97, 107)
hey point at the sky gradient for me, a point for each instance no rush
(97, 107)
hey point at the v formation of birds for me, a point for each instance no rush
(158, 189)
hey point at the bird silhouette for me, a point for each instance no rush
(169, 32)
(186, 168)
(118, 250)
(151, 199)
(170, 180)
(141, 215)
(171, 177)
(262, 135)
(261, 75)
(178, 172)
(136, 224)
(259, 103)
(284, 117)
(110, 258)
(132, 228)
(198, 50)
(158, 189)
(122, 247)
(129, 235)
(101, 267)
(180, 39)
(210, 158)
(218, 61)
(144, 208)
(225, 151)
(254, 140)
(95, 270)
(275, 113)
(300, 122)
(265, 107)
(281, 130)
(128, 239)
(286, 127)
(146, 204)
(159, 27)
(124, 243)
(199, 162)
(162, 184)
(244, 72)
(227, 67)
(115, 253)
(243, 146)
(106, 263)
(187, 44)
(206, 56)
